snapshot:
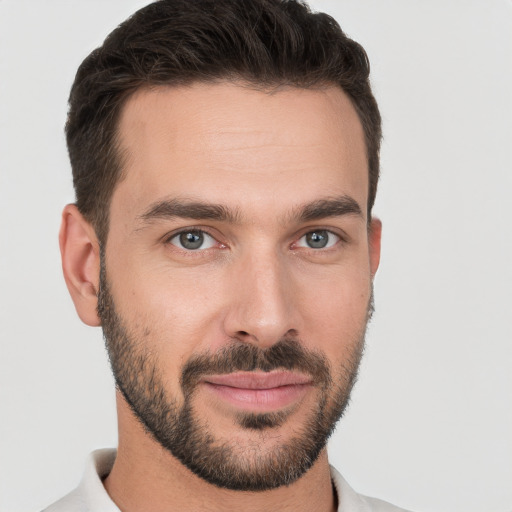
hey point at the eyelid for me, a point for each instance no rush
(167, 238)
(340, 236)
(207, 231)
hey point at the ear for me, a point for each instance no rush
(80, 253)
(374, 237)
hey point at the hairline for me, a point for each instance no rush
(121, 154)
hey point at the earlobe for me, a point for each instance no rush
(375, 234)
(80, 255)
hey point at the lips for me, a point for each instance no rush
(259, 391)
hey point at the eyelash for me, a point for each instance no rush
(193, 231)
(204, 233)
(329, 244)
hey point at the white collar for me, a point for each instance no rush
(91, 496)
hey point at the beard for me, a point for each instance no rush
(180, 429)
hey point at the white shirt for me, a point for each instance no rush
(91, 496)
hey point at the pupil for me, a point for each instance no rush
(191, 240)
(317, 239)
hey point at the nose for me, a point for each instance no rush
(262, 308)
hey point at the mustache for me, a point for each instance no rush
(286, 354)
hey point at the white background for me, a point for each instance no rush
(430, 425)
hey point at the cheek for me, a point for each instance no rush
(337, 311)
(173, 312)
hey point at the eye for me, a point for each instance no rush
(318, 239)
(193, 240)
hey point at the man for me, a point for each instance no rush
(225, 163)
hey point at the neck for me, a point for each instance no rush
(146, 477)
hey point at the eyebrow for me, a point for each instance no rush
(197, 210)
(167, 209)
(329, 207)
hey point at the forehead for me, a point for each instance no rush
(224, 141)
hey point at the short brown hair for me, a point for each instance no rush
(176, 42)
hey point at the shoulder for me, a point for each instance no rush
(72, 502)
(90, 495)
(350, 501)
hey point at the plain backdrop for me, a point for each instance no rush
(430, 425)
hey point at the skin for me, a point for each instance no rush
(263, 156)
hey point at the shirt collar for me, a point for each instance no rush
(94, 497)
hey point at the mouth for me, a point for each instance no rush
(259, 391)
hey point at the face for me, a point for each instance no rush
(236, 279)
